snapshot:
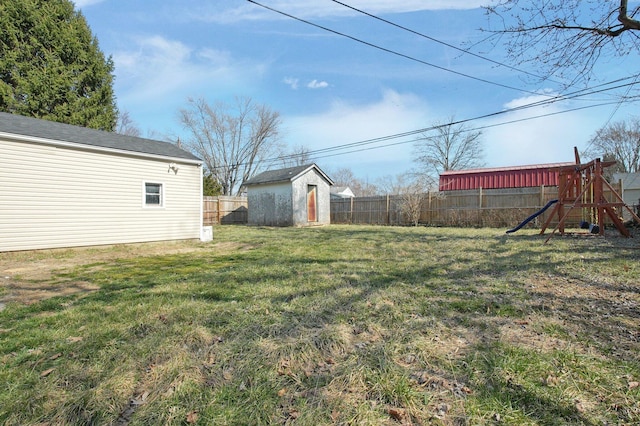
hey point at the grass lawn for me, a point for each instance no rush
(344, 325)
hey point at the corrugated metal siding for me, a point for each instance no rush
(61, 197)
(498, 178)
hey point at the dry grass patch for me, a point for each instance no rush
(333, 325)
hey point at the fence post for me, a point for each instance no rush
(480, 206)
(351, 212)
(388, 212)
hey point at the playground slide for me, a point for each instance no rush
(533, 216)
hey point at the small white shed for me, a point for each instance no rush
(295, 196)
(65, 186)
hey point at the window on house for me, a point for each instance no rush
(153, 194)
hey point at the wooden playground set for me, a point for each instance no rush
(581, 186)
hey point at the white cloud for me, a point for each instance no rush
(345, 123)
(324, 9)
(83, 3)
(291, 82)
(155, 68)
(315, 84)
(547, 139)
(155, 76)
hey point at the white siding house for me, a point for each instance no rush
(295, 196)
(630, 191)
(65, 186)
(341, 192)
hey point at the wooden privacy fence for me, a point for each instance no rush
(491, 207)
(224, 210)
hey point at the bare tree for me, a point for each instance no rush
(299, 155)
(126, 126)
(413, 190)
(345, 177)
(234, 141)
(565, 37)
(453, 147)
(619, 141)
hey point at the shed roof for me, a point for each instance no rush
(285, 175)
(30, 127)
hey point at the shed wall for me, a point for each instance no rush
(63, 197)
(323, 199)
(270, 204)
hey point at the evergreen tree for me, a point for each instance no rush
(51, 66)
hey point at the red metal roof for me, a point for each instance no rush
(502, 177)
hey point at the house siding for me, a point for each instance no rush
(630, 190)
(57, 196)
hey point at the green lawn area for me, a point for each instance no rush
(352, 325)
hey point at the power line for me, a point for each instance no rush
(613, 113)
(543, 78)
(358, 146)
(393, 52)
(466, 130)
(552, 99)
(545, 102)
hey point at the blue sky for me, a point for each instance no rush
(331, 90)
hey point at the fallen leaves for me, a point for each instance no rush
(424, 379)
(46, 372)
(551, 380)
(396, 414)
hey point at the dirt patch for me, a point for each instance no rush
(30, 276)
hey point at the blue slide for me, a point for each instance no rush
(533, 216)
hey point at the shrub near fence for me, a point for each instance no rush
(472, 208)
(224, 210)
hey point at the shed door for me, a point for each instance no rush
(312, 205)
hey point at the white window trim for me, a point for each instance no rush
(144, 195)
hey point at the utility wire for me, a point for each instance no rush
(465, 130)
(393, 52)
(358, 146)
(546, 102)
(552, 99)
(613, 113)
(543, 78)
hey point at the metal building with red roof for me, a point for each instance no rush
(502, 177)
